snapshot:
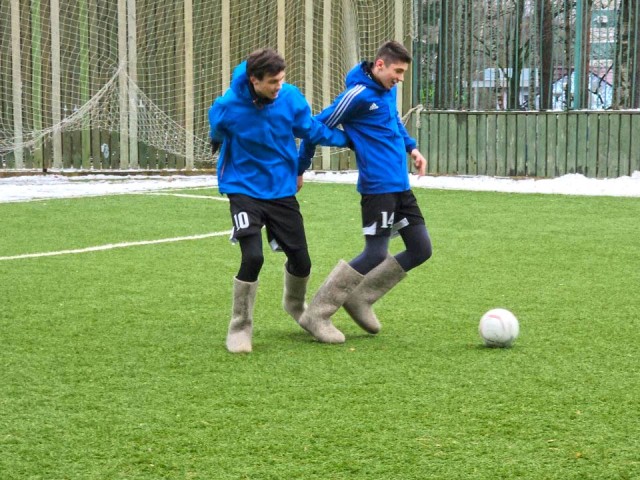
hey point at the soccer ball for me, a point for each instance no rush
(498, 328)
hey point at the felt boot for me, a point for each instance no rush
(376, 284)
(241, 325)
(295, 289)
(316, 319)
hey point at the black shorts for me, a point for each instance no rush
(281, 217)
(384, 214)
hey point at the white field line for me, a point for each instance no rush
(111, 246)
(186, 195)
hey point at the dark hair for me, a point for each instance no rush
(265, 61)
(393, 52)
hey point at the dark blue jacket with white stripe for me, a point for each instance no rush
(259, 155)
(368, 113)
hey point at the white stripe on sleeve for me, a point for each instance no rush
(334, 118)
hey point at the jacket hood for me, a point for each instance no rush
(242, 87)
(240, 82)
(361, 75)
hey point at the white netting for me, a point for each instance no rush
(127, 83)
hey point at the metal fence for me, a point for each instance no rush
(507, 87)
(543, 55)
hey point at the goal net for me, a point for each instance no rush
(126, 84)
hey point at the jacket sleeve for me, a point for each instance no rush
(342, 108)
(216, 126)
(409, 142)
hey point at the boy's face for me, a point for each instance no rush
(389, 75)
(270, 85)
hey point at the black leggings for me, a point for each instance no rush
(298, 261)
(416, 241)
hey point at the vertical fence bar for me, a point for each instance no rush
(225, 42)
(572, 142)
(349, 22)
(592, 145)
(36, 79)
(123, 84)
(16, 83)
(577, 59)
(634, 148)
(188, 83)
(281, 27)
(613, 154)
(398, 31)
(326, 70)
(132, 55)
(56, 110)
(624, 145)
(603, 145)
(309, 60)
(582, 142)
(84, 80)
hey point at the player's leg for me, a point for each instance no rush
(381, 270)
(377, 221)
(414, 233)
(374, 253)
(417, 247)
(316, 319)
(247, 224)
(409, 222)
(285, 231)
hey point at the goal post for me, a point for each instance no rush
(127, 84)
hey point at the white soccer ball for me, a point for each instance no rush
(498, 328)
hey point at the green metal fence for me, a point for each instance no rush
(536, 144)
(527, 54)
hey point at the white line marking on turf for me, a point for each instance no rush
(186, 195)
(111, 246)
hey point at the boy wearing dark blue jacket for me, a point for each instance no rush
(255, 124)
(367, 111)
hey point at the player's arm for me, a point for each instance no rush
(411, 147)
(341, 110)
(216, 125)
(313, 131)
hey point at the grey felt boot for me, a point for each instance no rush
(316, 319)
(241, 325)
(376, 283)
(295, 289)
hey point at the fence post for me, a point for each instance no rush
(132, 55)
(281, 30)
(36, 80)
(188, 83)
(399, 36)
(326, 71)
(225, 44)
(17, 82)
(56, 110)
(85, 81)
(577, 61)
(123, 83)
(309, 61)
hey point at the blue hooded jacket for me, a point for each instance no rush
(368, 112)
(259, 155)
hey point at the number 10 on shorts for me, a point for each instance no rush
(241, 220)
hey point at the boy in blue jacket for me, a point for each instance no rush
(367, 111)
(255, 124)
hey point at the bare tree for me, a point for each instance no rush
(545, 13)
(444, 91)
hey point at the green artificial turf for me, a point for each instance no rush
(113, 366)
